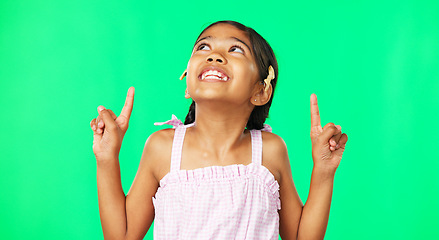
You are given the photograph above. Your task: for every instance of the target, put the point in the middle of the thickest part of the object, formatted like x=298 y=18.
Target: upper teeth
x=214 y=75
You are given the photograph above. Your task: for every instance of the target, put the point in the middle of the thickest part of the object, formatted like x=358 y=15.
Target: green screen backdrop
x=374 y=66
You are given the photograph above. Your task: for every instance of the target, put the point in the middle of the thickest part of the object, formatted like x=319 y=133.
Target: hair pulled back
x=264 y=57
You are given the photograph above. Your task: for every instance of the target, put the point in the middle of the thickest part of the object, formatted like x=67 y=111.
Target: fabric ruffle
x=175 y=122
x=219 y=173
x=267 y=128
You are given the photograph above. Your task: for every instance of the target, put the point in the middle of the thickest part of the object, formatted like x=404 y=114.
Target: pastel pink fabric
x=217 y=202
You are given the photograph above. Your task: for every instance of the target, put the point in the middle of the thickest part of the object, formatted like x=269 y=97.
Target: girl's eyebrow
x=235 y=38
x=239 y=40
x=201 y=39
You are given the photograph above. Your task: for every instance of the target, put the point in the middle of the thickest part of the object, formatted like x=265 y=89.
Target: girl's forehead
x=225 y=31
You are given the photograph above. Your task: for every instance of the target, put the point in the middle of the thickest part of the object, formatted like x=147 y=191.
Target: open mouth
x=214 y=74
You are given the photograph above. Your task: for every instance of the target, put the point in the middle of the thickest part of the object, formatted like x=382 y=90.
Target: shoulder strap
x=177 y=147
x=256 y=146
x=177 y=144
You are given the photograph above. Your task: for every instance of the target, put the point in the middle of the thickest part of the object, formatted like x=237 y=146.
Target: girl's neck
x=220 y=127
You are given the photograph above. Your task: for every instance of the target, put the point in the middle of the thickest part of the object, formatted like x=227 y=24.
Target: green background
x=373 y=65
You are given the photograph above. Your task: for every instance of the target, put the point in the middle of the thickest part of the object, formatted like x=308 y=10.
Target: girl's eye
x=237 y=49
x=203 y=47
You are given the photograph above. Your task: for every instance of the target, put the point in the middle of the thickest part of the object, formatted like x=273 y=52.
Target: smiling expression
x=222 y=66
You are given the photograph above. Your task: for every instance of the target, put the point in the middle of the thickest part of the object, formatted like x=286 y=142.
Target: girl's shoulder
x=273 y=143
x=161 y=136
x=157 y=151
x=274 y=154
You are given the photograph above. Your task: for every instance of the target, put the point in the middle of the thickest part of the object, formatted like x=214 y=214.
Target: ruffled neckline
x=219 y=173
x=175 y=122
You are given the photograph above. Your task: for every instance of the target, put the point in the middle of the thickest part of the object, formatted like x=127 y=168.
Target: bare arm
x=310 y=221
x=291 y=205
x=111 y=199
x=315 y=213
x=108 y=132
x=328 y=144
x=126 y=217
x=139 y=205
x=130 y=217
x=121 y=217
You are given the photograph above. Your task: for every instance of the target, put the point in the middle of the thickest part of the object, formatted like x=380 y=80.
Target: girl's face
x=222 y=67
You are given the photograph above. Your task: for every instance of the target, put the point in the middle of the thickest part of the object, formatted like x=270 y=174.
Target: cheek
x=192 y=65
x=254 y=73
x=189 y=69
x=191 y=77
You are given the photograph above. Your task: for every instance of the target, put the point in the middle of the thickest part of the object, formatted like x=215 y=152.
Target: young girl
x=222 y=174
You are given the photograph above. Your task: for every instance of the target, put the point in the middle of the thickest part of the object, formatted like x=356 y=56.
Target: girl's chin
x=210 y=98
x=220 y=100
x=215 y=95
x=208 y=94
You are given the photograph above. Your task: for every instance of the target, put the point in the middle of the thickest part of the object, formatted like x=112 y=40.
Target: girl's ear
x=186 y=94
x=262 y=96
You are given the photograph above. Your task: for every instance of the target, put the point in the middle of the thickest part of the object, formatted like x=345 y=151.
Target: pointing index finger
x=315 y=115
x=128 y=107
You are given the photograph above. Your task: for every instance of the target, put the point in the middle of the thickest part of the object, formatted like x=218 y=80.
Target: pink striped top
x=217 y=202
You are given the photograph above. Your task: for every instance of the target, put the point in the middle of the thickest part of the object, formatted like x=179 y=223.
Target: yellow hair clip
x=270 y=77
x=183 y=75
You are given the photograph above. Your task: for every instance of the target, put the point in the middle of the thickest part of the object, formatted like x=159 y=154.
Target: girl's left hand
x=328 y=143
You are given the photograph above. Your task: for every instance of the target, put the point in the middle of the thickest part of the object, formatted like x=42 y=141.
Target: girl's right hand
x=109 y=129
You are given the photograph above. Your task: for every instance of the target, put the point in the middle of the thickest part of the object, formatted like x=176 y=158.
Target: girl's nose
x=215 y=57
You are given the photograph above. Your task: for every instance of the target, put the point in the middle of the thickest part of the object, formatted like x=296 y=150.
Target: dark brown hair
x=264 y=57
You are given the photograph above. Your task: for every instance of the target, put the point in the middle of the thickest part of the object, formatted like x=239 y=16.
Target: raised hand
x=328 y=143
x=109 y=129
